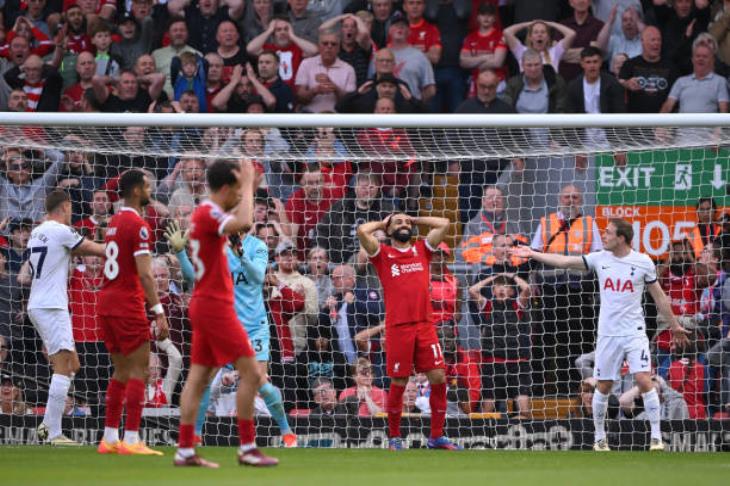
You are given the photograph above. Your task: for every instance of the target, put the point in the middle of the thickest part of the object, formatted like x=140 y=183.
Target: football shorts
x=612 y=351
x=218 y=337
x=124 y=335
x=410 y=346
x=260 y=338
x=54 y=328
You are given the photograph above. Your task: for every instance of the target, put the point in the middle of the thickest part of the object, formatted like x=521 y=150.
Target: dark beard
x=403 y=235
x=679 y=268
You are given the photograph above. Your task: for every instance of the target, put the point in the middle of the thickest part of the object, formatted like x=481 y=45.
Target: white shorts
x=612 y=351
x=54 y=327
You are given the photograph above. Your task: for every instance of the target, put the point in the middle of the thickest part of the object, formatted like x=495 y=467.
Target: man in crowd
x=411 y=65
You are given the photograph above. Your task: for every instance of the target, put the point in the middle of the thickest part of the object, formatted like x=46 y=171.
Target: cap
x=444 y=248
x=283 y=246
x=18 y=223
x=127 y=17
x=386 y=78
x=6 y=377
x=399 y=18
x=486 y=9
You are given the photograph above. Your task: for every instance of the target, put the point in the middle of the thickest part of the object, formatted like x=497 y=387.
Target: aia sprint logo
x=397 y=270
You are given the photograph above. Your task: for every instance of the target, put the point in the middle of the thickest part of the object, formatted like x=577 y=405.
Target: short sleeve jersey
x=50 y=248
x=622 y=282
x=127 y=236
x=477 y=44
x=424 y=35
x=290 y=57
x=405 y=276
x=207 y=245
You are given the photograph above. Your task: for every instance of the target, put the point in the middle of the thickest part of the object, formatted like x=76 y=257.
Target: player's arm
x=88 y=247
x=664 y=308
x=525 y=290
x=475 y=291
x=437 y=231
x=178 y=240
x=551 y=259
x=143 y=262
x=242 y=219
x=366 y=235
x=174 y=367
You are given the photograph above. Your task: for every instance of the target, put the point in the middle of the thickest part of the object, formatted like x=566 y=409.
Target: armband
x=158 y=309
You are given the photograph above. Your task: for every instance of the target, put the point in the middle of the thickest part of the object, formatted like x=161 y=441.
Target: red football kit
x=476 y=44
x=218 y=336
x=410 y=336
x=424 y=35
x=121 y=300
x=290 y=57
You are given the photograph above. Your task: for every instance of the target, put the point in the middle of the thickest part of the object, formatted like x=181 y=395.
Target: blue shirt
x=247 y=272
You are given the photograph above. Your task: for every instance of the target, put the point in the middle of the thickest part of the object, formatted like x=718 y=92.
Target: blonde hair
x=528 y=41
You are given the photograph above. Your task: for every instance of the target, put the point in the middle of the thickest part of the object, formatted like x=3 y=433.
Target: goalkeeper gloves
x=176 y=237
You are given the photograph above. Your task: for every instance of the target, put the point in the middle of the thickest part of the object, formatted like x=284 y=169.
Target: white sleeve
x=650 y=276
x=596 y=243
x=537 y=242
x=591 y=259
x=70 y=238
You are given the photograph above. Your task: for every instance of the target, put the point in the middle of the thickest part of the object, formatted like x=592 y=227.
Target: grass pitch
x=350 y=467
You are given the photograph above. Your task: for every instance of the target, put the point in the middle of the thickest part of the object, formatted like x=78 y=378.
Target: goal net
x=518 y=338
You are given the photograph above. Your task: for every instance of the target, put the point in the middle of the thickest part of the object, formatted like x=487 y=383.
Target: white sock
x=244 y=448
x=111 y=435
x=185 y=452
x=653 y=412
x=57 y=393
x=131 y=437
x=600 y=405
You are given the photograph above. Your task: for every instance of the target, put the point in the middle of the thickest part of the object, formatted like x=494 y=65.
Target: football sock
x=600 y=405
x=186 y=438
x=272 y=398
x=437 y=400
x=135 y=403
x=57 y=393
x=114 y=404
x=653 y=412
x=395 y=409
x=202 y=411
x=247 y=433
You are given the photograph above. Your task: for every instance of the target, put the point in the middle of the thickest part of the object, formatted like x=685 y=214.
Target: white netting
x=318 y=182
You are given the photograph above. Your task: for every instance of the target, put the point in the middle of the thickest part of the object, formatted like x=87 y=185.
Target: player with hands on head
x=218 y=337
x=51 y=246
x=623 y=274
x=128 y=283
x=410 y=336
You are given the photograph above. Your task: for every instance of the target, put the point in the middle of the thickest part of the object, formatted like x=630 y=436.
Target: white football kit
x=621 y=322
x=50 y=247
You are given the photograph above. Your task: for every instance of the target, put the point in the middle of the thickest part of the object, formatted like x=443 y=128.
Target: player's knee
x=436 y=377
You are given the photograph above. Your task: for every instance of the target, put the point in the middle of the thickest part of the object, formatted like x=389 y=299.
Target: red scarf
x=283 y=309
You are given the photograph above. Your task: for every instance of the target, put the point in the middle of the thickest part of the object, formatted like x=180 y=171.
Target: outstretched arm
x=552 y=259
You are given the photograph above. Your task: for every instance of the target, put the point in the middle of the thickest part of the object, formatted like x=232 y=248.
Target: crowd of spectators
x=509 y=331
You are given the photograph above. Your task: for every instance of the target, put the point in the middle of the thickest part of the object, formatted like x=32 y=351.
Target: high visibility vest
x=698 y=243
x=558 y=238
x=479 y=249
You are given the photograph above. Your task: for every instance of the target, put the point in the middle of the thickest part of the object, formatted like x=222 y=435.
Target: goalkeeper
x=247 y=262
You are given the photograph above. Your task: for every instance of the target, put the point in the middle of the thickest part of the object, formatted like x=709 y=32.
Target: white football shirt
x=49 y=249
x=622 y=282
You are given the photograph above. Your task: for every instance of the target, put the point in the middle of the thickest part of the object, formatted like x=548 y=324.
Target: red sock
x=135 y=403
x=114 y=403
x=395 y=409
x=187 y=436
x=246 y=431
x=437 y=400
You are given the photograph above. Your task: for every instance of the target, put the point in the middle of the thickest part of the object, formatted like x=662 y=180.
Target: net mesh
x=316 y=185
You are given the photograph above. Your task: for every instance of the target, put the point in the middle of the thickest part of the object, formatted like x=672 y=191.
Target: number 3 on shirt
x=195 y=257
x=111 y=266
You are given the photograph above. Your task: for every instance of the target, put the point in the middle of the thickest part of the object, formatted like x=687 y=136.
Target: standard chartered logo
x=394 y=270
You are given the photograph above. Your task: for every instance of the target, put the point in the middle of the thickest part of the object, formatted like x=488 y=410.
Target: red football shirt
x=127 y=236
x=207 y=244
x=405 y=276
x=83 y=293
x=290 y=57
x=424 y=35
x=306 y=213
x=476 y=44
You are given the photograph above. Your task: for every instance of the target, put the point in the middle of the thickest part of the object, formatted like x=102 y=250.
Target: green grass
x=350 y=467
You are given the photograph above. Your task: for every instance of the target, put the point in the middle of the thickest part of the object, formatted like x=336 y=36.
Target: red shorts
x=412 y=345
x=124 y=334
x=218 y=336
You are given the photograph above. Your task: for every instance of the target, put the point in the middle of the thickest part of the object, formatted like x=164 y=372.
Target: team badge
x=143 y=233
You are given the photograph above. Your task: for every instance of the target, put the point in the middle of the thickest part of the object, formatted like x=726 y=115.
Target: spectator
x=229 y=48
x=269 y=234
x=16 y=253
x=303 y=23
x=129 y=94
x=506 y=341
x=410 y=396
x=446 y=298
x=423 y=35
x=586 y=28
x=595 y=91
x=11 y=312
x=39 y=41
x=290 y=48
x=256 y=19
x=339 y=312
x=384 y=85
x=78 y=177
x=187 y=73
x=568 y=312
x=356 y=46
x=328 y=151
x=193 y=188
x=336 y=230
x=21 y=196
x=540 y=39
x=627 y=40
x=136 y=40
x=484 y=49
x=719 y=28
x=11 y=397
x=85 y=70
x=325 y=396
x=101 y=210
x=214 y=80
x=324 y=79
x=371 y=399
x=687 y=376
x=268 y=68
x=41 y=82
x=709 y=225
x=648 y=77
x=177 y=32
x=77 y=37
x=411 y=65
x=107 y=65
x=680 y=22
x=18 y=52
x=203 y=17
x=383 y=12
x=703 y=91
x=673 y=406
x=538 y=89
x=318 y=272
